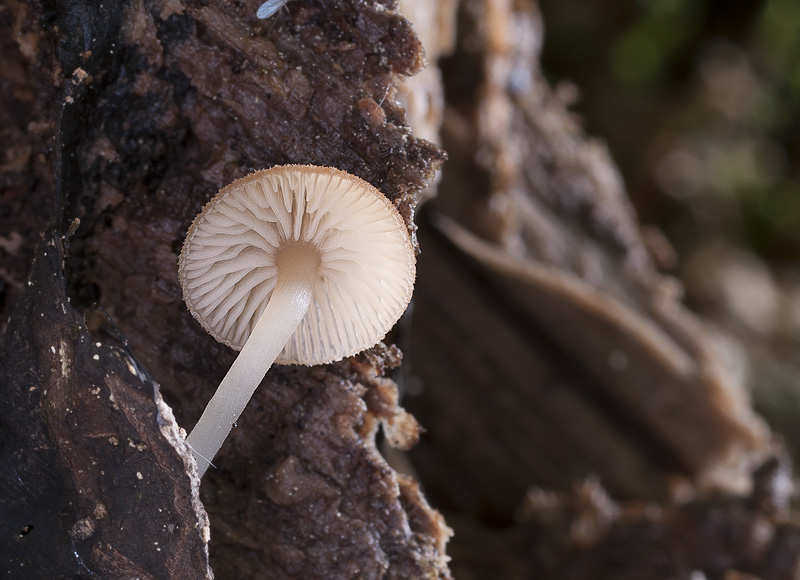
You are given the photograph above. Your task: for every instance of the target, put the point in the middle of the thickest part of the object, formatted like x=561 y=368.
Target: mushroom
x=296 y=264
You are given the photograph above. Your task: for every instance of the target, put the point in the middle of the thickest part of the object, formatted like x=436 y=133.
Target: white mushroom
x=295 y=265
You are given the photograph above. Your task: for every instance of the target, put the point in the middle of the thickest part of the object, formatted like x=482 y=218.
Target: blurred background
x=699 y=103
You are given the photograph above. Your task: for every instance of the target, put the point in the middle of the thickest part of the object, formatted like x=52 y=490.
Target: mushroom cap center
x=292 y=254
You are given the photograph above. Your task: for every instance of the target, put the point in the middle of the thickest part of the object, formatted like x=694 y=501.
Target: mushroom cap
x=366 y=265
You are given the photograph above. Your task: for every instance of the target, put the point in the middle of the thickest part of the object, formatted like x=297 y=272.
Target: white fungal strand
x=365 y=271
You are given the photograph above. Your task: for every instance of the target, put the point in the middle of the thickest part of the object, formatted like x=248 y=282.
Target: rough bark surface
x=167 y=102
x=28 y=106
x=97 y=476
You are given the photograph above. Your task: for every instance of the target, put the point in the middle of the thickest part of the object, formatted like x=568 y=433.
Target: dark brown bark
x=164 y=103
x=93 y=483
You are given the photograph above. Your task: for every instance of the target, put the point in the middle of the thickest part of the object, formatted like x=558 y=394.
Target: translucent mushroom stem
x=288 y=304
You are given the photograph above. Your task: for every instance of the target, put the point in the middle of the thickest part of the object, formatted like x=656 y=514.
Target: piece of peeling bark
x=97 y=477
x=585 y=534
x=562 y=351
x=179 y=99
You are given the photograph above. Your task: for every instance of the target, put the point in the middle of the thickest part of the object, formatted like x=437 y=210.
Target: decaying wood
x=28 y=105
x=545 y=348
x=561 y=354
x=562 y=351
x=585 y=534
x=97 y=479
x=167 y=102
